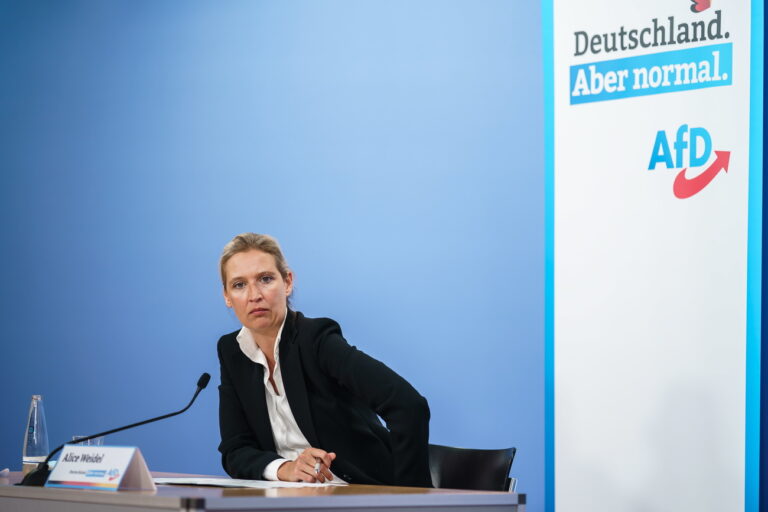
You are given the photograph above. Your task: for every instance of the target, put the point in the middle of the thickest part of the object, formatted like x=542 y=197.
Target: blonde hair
x=253 y=241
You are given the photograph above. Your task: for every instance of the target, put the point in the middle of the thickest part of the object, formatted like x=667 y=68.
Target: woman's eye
x=238 y=285
x=267 y=279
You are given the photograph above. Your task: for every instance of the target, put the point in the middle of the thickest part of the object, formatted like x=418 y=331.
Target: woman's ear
x=288 y=283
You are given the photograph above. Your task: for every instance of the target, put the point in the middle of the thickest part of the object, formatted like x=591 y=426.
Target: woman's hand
x=303 y=468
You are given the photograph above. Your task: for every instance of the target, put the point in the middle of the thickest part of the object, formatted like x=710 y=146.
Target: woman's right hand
x=303 y=468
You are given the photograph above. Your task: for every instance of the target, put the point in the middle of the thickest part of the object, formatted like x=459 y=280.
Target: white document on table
x=232 y=482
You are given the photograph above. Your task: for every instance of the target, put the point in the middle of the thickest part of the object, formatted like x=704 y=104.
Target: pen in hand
x=312 y=465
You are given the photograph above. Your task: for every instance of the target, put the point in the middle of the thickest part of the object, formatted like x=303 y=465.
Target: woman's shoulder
x=228 y=341
x=308 y=328
x=318 y=339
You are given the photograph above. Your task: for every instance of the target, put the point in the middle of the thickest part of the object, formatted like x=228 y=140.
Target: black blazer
x=335 y=392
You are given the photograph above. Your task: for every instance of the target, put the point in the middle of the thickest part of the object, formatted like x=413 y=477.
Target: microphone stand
x=38 y=476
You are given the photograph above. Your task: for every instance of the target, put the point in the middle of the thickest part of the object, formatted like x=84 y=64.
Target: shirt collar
x=251 y=349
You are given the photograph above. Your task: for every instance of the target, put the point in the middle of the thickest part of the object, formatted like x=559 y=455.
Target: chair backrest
x=463 y=468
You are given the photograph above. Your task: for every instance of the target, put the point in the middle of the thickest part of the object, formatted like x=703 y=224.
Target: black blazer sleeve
x=240 y=453
x=389 y=395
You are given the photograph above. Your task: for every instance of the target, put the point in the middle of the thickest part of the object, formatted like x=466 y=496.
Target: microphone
x=39 y=475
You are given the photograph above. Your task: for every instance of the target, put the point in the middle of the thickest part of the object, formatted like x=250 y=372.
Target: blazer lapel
x=293 y=379
x=260 y=414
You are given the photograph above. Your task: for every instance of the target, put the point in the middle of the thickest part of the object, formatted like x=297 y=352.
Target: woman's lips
x=258 y=311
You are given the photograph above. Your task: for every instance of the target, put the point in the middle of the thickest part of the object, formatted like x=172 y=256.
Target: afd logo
x=690 y=148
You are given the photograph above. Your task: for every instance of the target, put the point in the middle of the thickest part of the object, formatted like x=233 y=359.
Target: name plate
x=101 y=468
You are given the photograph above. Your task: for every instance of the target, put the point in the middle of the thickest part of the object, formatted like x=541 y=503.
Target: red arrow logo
x=685 y=188
x=700 y=5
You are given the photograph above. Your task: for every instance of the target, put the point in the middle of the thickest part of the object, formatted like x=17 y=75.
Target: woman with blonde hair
x=297 y=402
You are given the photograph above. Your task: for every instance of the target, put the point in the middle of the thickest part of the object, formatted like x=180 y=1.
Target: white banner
x=650 y=198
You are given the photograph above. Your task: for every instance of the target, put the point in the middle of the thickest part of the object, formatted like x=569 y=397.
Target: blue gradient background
x=394 y=148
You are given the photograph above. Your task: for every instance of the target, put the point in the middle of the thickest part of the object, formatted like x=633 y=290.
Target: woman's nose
x=254 y=293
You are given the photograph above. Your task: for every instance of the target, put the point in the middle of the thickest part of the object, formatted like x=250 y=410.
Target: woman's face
x=256 y=291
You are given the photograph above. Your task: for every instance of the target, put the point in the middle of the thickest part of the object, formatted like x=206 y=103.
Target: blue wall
x=394 y=148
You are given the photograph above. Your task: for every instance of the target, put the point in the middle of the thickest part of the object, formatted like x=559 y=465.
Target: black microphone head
x=203 y=380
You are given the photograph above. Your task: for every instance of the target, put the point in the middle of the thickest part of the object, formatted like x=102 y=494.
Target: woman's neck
x=266 y=339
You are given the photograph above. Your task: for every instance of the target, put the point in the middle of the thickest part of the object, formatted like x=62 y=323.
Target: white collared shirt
x=289 y=440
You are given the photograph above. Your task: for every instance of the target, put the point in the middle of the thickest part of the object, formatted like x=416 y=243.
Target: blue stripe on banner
x=549 y=253
x=87 y=488
x=657 y=73
x=754 y=265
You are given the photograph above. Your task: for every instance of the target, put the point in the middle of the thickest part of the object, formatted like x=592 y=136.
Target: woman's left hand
x=312 y=465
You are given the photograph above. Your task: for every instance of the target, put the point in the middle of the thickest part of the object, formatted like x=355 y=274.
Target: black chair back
x=463 y=468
